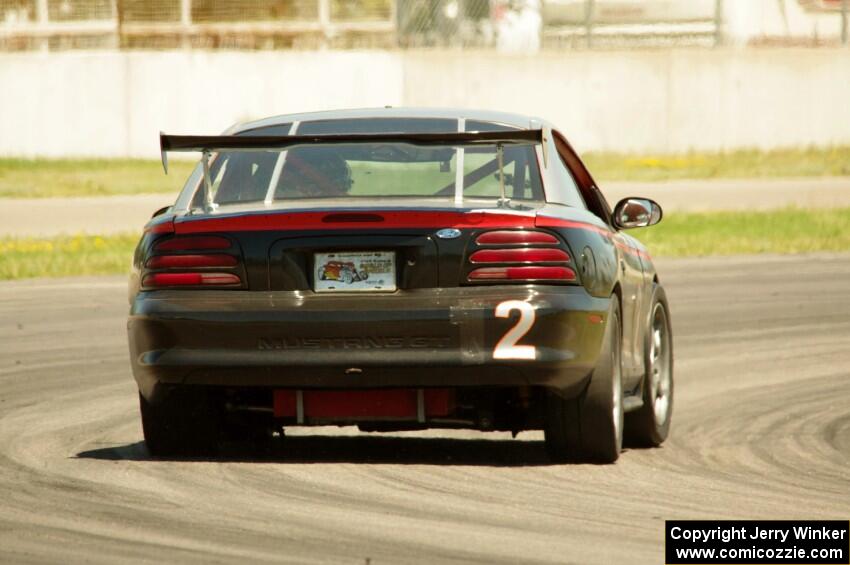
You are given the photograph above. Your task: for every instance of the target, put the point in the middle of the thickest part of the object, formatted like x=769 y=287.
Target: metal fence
x=597 y=23
x=517 y=25
x=246 y=24
x=446 y=23
x=556 y=23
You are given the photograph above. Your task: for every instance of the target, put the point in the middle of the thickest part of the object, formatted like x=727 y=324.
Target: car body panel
x=414 y=338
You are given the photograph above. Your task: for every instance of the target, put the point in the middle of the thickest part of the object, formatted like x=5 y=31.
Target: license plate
x=355 y=271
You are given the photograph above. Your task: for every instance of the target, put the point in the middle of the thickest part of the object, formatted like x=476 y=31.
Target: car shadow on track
x=358 y=449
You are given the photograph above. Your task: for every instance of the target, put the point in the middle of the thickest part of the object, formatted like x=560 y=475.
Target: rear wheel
x=184 y=423
x=590 y=427
x=650 y=425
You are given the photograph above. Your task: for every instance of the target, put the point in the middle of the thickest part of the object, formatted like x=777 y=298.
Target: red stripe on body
x=316 y=221
x=398 y=219
x=160 y=227
x=547 y=222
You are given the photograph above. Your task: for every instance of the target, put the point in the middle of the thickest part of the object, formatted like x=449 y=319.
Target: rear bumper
x=418 y=338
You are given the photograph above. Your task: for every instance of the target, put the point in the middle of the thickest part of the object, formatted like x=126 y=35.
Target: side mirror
x=636 y=212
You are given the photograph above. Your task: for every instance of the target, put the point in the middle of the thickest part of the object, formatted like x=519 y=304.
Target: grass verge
x=743 y=233
x=38 y=178
x=809 y=162
x=22 y=258
x=679 y=235
x=41 y=178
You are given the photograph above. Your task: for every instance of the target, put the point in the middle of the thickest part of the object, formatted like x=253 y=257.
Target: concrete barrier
x=112 y=104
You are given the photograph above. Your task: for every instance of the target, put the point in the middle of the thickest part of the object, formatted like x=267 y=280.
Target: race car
x=502 y=292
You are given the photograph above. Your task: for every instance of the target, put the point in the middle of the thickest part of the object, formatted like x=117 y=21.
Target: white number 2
x=507 y=347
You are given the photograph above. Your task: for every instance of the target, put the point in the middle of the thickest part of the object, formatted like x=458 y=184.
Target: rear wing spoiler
x=212 y=143
x=208 y=144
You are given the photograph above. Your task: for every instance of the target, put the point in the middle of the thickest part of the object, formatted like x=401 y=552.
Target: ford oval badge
x=448 y=233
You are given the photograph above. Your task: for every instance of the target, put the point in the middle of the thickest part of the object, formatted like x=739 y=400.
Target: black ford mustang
x=398 y=269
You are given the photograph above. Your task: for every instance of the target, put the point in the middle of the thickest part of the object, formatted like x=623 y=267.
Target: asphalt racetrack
x=761 y=430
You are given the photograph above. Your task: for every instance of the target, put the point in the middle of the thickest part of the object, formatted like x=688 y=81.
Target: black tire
x=650 y=424
x=184 y=423
x=590 y=427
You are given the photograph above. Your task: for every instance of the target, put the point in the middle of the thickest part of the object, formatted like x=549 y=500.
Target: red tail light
x=191 y=279
x=193 y=243
x=516 y=237
x=185 y=262
x=523 y=273
x=522 y=256
x=190 y=261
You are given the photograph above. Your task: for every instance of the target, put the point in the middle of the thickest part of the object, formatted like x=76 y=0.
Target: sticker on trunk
x=355 y=271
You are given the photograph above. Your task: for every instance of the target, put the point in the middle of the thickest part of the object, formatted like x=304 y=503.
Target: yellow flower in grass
x=71 y=245
x=650 y=162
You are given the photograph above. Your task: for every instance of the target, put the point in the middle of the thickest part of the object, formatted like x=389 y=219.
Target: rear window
x=373 y=170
